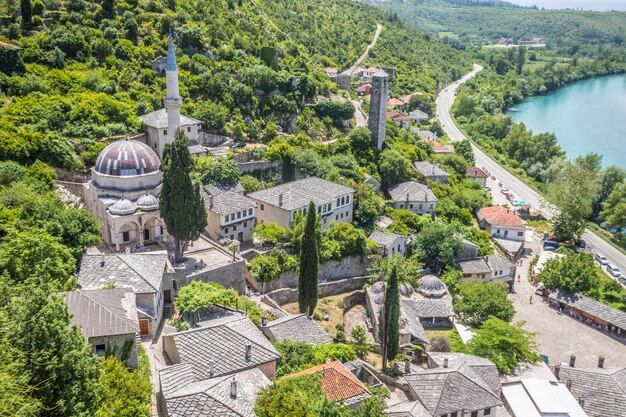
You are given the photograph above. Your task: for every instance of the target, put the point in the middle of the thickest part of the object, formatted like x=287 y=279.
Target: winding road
x=354 y=66
x=445 y=100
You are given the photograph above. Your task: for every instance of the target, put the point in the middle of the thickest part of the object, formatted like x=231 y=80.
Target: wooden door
x=143 y=326
x=240 y=237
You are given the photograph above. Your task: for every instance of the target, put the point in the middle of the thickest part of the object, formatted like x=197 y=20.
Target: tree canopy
x=477 y=301
x=574 y=272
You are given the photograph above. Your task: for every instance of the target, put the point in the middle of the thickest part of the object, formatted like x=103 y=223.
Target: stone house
x=478 y=175
x=415 y=197
x=148 y=275
x=229 y=216
x=418 y=116
x=108 y=320
x=501 y=222
x=389 y=244
x=364 y=90
x=298 y=327
x=488 y=268
x=279 y=204
x=431 y=172
x=468 y=252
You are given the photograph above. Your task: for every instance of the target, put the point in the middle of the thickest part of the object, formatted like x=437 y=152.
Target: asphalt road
x=517 y=187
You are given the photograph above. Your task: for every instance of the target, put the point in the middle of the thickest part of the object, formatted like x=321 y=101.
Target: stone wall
x=264 y=170
x=117 y=342
x=229 y=275
x=350 y=267
x=76 y=188
x=289 y=295
x=354 y=299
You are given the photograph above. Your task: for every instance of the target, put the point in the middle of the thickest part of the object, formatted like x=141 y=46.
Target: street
x=445 y=100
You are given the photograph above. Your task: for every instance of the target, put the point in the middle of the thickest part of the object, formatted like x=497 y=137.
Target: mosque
x=125 y=183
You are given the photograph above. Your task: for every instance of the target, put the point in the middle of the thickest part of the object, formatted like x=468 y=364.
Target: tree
x=27 y=14
x=180 y=202
x=407 y=269
x=574 y=272
x=269 y=233
x=343 y=239
x=219 y=170
x=264 y=268
x=390 y=321
x=367 y=207
x=437 y=245
x=394 y=168
x=123 y=392
x=309 y=262
x=504 y=344
x=477 y=301
x=359 y=342
x=614 y=213
x=611 y=177
x=464 y=149
x=199 y=295
x=573 y=193
x=250 y=184
x=451 y=277
x=454 y=163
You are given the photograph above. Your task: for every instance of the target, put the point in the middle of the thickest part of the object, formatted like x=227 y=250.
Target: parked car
x=613 y=270
x=581 y=244
x=238 y=145
x=488 y=189
x=601 y=259
x=622 y=279
x=505 y=190
x=541 y=290
x=550 y=243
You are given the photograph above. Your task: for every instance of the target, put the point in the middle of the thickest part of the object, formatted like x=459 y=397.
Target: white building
x=501 y=222
x=389 y=244
x=279 y=204
x=229 y=215
x=535 y=397
x=415 y=197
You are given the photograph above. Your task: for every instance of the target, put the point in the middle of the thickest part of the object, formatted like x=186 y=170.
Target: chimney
x=342 y=180
x=210 y=202
x=264 y=321
x=102 y=262
x=211 y=367
x=572 y=360
x=407 y=197
x=248 y=352
x=557 y=371
x=407 y=365
x=233 y=388
x=445 y=362
x=601 y=362
x=280 y=199
x=568 y=384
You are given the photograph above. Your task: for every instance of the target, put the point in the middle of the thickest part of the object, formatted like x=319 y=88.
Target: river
x=597 y=5
x=586 y=116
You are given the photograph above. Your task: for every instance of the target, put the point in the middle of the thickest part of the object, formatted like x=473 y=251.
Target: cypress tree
x=180 y=203
x=309 y=262
x=27 y=14
x=391 y=317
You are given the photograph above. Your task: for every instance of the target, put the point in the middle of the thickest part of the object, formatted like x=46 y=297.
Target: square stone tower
x=378 y=107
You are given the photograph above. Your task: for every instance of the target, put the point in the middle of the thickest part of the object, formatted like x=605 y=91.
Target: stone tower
x=378 y=107
x=173 y=101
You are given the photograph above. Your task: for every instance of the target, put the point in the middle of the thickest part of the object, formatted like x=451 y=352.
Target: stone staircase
x=167 y=311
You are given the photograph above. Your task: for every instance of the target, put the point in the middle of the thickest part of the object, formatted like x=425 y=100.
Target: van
x=541 y=290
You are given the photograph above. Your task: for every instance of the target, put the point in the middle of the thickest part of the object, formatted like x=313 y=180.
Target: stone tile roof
x=188 y=397
x=338 y=383
x=590 y=306
x=415 y=192
x=485 y=264
x=297 y=194
x=227 y=202
x=500 y=216
x=447 y=390
x=476 y=172
x=103 y=312
x=408 y=409
x=223 y=342
x=383 y=238
x=427 y=307
x=484 y=368
x=215 y=189
x=606 y=385
x=142 y=272
x=299 y=328
x=158 y=119
x=417 y=114
x=428 y=169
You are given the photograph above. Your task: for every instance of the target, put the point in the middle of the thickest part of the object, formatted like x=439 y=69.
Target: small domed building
x=432 y=286
x=124 y=194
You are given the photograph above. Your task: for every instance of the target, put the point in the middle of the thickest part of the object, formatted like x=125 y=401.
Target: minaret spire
x=173 y=100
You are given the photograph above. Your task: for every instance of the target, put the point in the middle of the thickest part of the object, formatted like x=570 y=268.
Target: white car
x=601 y=259
x=613 y=270
x=504 y=190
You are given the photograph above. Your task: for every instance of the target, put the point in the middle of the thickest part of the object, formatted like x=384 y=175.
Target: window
x=520 y=233
x=100 y=349
x=165 y=132
x=347 y=199
x=126 y=236
x=454 y=414
x=239 y=215
x=420 y=206
x=262 y=207
x=338 y=202
x=319 y=210
x=398 y=247
x=342 y=215
x=232 y=237
x=412 y=206
x=401 y=205
x=498 y=231
x=474 y=413
x=245 y=224
x=189 y=129
x=487 y=412
x=336 y=217
x=226 y=230
x=226 y=217
x=343 y=201
x=431 y=206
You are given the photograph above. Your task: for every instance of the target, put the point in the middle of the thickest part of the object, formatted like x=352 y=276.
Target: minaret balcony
x=173 y=101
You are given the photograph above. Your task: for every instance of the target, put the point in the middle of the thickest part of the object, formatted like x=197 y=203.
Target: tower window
x=165 y=132
x=189 y=129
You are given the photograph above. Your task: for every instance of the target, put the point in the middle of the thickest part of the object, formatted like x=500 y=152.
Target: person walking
x=531 y=299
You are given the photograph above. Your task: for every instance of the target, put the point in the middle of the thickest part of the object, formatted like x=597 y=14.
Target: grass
x=452 y=336
x=540 y=227
x=328 y=306
x=614 y=299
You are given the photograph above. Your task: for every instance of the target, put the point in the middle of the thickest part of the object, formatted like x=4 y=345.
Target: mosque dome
x=431 y=285
x=405 y=289
x=148 y=202
x=125 y=158
x=378 y=287
x=123 y=206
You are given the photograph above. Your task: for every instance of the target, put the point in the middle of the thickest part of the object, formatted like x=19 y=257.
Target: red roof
x=500 y=216
x=330 y=69
x=393 y=102
x=440 y=147
x=9 y=45
x=476 y=172
x=394 y=114
x=338 y=383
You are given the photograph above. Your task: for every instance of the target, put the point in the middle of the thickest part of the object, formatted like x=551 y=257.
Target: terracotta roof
x=393 y=114
x=330 y=69
x=476 y=172
x=9 y=45
x=440 y=147
x=406 y=99
x=392 y=102
x=499 y=216
x=338 y=383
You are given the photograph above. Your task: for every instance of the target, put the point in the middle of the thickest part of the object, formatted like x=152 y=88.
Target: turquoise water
x=586 y=116
x=598 y=5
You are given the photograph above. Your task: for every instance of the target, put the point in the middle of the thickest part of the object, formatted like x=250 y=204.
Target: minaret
x=377 y=122
x=173 y=101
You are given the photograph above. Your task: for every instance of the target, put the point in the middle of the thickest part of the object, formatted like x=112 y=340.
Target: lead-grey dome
x=123 y=206
x=125 y=158
x=378 y=287
x=431 y=285
x=148 y=202
x=405 y=289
